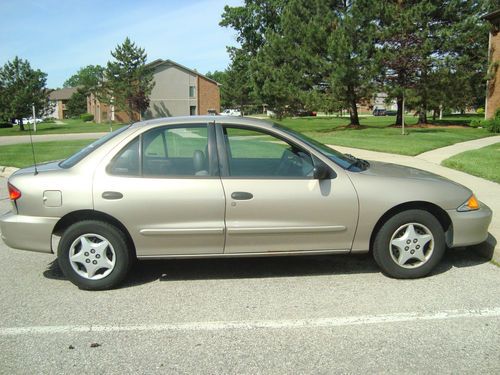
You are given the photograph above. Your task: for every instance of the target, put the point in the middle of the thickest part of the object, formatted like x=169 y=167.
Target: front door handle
x=241 y=195
x=112 y=195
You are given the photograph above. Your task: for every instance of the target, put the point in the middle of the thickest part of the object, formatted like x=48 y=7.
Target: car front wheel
x=94 y=255
x=409 y=245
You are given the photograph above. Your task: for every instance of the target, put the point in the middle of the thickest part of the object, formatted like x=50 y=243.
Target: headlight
x=471 y=204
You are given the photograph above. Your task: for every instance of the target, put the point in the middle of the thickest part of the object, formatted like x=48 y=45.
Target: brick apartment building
x=178 y=91
x=493 y=85
x=59 y=98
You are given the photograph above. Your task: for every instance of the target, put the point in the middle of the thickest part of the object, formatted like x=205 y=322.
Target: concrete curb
x=489 y=250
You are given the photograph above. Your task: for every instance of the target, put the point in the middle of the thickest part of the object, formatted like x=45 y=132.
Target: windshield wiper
x=356 y=162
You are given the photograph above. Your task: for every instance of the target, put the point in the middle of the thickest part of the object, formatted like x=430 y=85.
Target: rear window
x=80 y=155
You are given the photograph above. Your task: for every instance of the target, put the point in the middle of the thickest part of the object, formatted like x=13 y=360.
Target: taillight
x=14 y=193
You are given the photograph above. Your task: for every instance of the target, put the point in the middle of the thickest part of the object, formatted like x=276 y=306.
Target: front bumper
x=471 y=227
x=27 y=232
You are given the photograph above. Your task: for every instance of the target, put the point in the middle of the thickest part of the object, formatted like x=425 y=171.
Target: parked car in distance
x=379 y=112
x=231 y=112
x=32 y=120
x=29 y=120
x=391 y=113
x=304 y=113
x=205 y=186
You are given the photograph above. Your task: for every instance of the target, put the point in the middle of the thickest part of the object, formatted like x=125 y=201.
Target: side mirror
x=321 y=172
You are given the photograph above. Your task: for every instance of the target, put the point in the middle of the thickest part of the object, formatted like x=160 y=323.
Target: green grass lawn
x=483 y=162
x=68 y=126
x=21 y=155
x=377 y=135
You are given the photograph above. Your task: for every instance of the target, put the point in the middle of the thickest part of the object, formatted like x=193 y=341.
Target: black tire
x=122 y=255
x=414 y=268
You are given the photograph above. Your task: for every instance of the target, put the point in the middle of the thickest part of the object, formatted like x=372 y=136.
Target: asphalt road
x=319 y=314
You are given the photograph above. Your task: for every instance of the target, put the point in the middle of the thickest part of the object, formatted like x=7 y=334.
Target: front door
x=165 y=188
x=273 y=203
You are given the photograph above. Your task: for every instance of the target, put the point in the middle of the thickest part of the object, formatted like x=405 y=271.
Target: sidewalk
x=438 y=155
x=15 y=139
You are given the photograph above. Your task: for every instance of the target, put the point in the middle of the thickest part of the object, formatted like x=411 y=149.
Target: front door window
x=253 y=154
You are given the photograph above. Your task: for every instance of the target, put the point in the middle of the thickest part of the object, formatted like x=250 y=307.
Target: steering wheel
x=290 y=164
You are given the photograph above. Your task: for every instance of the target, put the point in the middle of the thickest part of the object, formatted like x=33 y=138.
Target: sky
x=61 y=36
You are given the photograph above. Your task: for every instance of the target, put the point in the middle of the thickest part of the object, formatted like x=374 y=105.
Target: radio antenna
x=32 y=147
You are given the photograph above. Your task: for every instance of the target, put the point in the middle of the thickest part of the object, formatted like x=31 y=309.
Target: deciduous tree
x=21 y=87
x=88 y=79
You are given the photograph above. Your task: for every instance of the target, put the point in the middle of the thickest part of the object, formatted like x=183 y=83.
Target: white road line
x=258 y=324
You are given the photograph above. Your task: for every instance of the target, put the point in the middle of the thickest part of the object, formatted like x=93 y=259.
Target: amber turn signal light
x=471 y=204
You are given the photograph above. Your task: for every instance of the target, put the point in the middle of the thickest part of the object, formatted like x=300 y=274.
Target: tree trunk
x=434 y=115
x=353 y=110
x=422 y=115
x=399 y=115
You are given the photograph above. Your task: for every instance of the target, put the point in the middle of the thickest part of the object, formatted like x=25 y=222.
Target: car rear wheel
x=94 y=255
x=409 y=245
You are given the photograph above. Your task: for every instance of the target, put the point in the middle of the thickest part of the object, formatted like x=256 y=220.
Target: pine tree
x=434 y=52
x=402 y=44
x=351 y=65
x=128 y=81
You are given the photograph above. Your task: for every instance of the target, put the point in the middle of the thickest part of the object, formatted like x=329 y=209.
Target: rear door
x=164 y=186
x=274 y=204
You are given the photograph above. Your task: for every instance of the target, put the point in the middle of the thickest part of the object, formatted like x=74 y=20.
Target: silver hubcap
x=92 y=256
x=411 y=245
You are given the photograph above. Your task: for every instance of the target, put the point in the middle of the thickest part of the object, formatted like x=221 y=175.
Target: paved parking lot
x=319 y=314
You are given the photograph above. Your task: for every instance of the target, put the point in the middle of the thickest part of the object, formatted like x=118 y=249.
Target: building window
x=192 y=110
x=192 y=91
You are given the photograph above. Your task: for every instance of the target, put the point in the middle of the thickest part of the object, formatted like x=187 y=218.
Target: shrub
x=49 y=120
x=493 y=125
x=475 y=123
x=87 y=117
x=497 y=113
x=480 y=111
x=6 y=125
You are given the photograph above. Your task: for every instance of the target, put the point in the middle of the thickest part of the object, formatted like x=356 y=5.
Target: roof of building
x=62 y=94
x=492 y=16
x=159 y=62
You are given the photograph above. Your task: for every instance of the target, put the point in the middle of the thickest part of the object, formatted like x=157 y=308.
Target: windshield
x=339 y=158
x=77 y=157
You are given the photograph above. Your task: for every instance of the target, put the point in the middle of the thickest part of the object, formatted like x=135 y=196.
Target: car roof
x=238 y=120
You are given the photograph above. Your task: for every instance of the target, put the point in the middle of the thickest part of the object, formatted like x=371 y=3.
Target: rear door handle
x=241 y=195
x=112 y=195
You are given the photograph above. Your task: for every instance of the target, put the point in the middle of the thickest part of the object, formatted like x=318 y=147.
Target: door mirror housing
x=321 y=172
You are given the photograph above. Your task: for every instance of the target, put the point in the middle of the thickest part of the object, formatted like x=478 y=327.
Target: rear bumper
x=470 y=228
x=27 y=232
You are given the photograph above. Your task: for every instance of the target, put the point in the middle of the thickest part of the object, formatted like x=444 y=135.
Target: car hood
x=395 y=184
x=381 y=169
